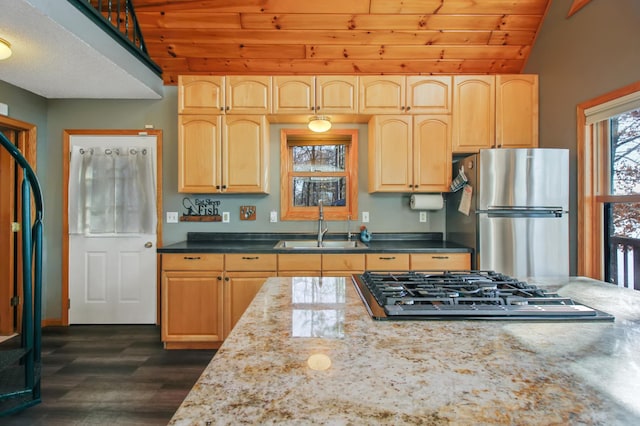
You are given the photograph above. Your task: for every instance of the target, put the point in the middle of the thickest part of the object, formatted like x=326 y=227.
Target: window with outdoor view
x=318 y=168
x=608 y=237
x=621 y=214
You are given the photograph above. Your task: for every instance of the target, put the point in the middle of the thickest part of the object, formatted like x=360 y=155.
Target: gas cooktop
x=486 y=295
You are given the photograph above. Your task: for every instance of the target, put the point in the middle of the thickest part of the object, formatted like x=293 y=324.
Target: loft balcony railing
x=118 y=19
x=624 y=262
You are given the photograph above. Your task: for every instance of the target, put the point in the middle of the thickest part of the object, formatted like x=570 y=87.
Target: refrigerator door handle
x=502 y=211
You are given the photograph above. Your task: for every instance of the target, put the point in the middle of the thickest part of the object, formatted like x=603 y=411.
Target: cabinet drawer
x=299 y=262
x=250 y=262
x=343 y=262
x=388 y=262
x=440 y=261
x=193 y=262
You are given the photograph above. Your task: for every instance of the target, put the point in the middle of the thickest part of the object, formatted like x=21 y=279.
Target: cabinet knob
x=226 y=278
x=408 y=108
x=219 y=278
x=148 y=244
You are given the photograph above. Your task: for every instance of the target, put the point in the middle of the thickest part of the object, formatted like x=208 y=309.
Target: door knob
x=148 y=244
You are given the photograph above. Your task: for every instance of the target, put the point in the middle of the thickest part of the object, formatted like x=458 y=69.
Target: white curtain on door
x=112 y=191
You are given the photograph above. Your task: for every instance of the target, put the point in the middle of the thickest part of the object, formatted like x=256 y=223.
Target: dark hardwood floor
x=110 y=375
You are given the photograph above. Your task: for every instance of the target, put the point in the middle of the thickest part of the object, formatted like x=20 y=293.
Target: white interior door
x=112 y=275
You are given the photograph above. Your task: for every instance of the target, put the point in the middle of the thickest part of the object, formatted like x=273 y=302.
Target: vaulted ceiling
x=339 y=36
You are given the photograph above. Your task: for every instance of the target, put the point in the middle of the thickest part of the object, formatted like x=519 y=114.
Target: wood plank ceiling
x=275 y=37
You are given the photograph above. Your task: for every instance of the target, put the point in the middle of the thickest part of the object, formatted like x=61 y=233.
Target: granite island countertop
x=271 y=368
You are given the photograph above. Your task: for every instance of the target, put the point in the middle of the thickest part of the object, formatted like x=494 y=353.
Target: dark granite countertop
x=238 y=242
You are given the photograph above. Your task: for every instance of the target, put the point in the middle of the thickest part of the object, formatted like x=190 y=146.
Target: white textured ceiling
x=59 y=53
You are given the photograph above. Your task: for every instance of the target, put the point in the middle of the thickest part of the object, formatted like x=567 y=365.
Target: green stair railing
x=20 y=362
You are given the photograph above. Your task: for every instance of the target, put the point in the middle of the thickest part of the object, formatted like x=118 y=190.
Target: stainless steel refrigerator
x=515 y=211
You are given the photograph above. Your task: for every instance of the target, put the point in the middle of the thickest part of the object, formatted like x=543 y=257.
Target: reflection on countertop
x=333 y=364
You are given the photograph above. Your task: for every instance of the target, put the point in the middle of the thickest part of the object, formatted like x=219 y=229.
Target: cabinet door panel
x=473 y=113
x=245 y=156
x=299 y=262
x=342 y=262
x=293 y=95
x=429 y=95
x=390 y=153
x=337 y=94
x=248 y=95
x=240 y=289
x=382 y=94
x=432 y=153
x=517 y=111
x=200 y=94
x=192 y=307
x=199 y=153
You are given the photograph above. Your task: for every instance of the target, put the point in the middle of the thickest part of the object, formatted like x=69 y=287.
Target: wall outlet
x=365 y=217
x=172 y=217
x=225 y=217
x=273 y=217
x=423 y=217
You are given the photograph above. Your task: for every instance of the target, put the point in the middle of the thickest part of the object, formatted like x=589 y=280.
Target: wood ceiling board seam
x=253 y=6
x=415 y=52
x=522 y=7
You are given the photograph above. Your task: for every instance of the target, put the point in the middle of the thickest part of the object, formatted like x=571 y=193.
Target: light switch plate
x=273 y=217
x=423 y=217
x=172 y=217
x=225 y=217
x=365 y=217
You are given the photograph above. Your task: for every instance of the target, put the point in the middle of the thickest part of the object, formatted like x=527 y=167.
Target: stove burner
x=463 y=294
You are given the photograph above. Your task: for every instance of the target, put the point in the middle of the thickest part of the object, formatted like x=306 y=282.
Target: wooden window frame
x=593 y=185
x=287 y=139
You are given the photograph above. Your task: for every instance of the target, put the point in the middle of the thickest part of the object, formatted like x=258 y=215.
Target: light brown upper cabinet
x=315 y=95
x=248 y=95
x=409 y=153
x=400 y=94
x=200 y=94
x=223 y=154
x=474 y=101
x=517 y=111
x=224 y=95
x=495 y=112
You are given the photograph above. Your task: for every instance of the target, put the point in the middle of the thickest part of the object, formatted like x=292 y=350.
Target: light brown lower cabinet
x=340 y=265
x=440 y=261
x=300 y=265
x=201 y=301
x=192 y=301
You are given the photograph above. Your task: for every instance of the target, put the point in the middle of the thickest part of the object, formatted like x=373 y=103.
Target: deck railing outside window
x=624 y=262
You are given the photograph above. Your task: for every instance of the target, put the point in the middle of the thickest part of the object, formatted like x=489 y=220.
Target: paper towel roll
x=426 y=202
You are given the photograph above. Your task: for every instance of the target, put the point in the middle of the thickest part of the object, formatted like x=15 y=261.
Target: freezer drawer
x=524 y=246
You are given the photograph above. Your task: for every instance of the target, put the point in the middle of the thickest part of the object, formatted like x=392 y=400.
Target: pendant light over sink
x=319 y=123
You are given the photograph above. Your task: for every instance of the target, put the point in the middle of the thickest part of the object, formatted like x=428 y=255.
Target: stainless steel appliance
x=516 y=218
x=485 y=295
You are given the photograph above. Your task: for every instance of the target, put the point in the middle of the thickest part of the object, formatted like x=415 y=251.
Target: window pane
x=625 y=153
x=626 y=219
x=308 y=190
x=319 y=158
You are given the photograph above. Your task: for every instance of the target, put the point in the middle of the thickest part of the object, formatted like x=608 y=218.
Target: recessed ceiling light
x=5 y=49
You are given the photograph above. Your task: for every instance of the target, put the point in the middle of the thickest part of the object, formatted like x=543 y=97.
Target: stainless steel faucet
x=322 y=227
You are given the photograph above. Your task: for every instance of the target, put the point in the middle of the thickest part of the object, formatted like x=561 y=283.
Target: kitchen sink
x=325 y=245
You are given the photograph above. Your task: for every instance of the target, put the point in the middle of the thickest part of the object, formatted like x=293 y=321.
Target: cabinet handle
x=250 y=258
x=439 y=257
x=387 y=258
x=192 y=258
